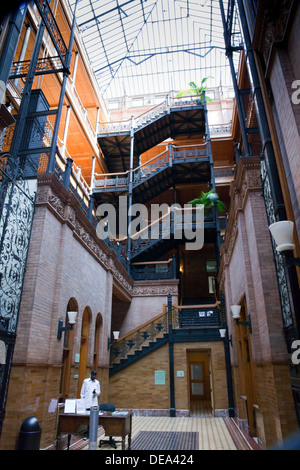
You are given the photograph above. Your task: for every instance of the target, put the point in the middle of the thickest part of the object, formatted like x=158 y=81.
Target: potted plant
x=208 y=200
x=196 y=90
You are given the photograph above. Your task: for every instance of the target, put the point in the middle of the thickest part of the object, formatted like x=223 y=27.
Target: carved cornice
x=155 y=288
x=272 y=22
x=66 y=208
x=247 y=180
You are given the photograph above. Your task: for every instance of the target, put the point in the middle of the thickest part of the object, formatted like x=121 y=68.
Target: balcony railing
x=170 y=103
x=154 y=270
x=172 y=155
x=197 y=316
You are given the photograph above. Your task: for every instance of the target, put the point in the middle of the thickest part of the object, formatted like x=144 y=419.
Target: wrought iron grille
x=17 y=197
x=285 y=299
x=182 y=317
x=139 y=338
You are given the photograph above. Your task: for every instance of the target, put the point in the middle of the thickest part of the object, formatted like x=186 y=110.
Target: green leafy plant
x=208 y=199
x=196 y=90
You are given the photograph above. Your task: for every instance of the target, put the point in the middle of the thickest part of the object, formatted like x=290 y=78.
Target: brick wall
x=285 y=70
x=134 y=387
x=248 y=272
x=65 y=261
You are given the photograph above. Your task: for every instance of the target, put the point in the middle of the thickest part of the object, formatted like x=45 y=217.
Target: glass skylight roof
x=140 y=47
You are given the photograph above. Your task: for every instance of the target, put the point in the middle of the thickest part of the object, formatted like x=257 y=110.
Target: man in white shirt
x=90 y=392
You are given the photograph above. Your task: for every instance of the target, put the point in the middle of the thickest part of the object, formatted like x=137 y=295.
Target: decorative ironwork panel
x=17 y=198
x=139 y=338
x=285 y=299
x=53 y=29
x=44 y=65
x=15 y=228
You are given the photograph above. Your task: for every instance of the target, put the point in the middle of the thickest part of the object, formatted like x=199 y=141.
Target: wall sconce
x=224 y=335
x=71 y=321
x=116 y=337
x=236 y=313
x=282 y=232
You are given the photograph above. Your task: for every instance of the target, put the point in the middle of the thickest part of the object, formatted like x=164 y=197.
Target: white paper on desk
x=70 y=405
x=80 y=406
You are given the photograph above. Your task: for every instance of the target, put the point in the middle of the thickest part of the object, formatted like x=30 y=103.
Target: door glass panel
x=197 y=389
x=196 y=372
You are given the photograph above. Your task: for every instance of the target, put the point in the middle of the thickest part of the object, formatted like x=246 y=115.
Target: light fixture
x=224 y=335
x=236 y=311
x=116 y=337
x=222 y=332
x=71 y=321
x=282 y=232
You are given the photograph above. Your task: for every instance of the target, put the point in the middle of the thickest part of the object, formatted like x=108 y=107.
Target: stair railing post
x=170 y=154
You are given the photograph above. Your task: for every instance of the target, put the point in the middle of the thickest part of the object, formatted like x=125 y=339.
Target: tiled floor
x=213 y=433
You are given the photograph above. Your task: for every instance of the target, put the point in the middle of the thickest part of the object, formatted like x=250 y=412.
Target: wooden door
x=198 y=381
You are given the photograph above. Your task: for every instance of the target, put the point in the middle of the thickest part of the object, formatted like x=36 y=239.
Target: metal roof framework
x=141 y=47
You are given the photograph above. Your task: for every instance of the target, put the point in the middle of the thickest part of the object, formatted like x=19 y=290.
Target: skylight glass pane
x=153 y=46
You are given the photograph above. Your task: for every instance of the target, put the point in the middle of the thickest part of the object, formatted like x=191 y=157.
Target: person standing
x=90 y=392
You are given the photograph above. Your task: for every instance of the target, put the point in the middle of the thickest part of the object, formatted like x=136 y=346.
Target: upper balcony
x=172 y=118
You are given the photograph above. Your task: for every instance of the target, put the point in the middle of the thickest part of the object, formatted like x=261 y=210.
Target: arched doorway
x=97 y=340
x=64 y=388
x=84 y=342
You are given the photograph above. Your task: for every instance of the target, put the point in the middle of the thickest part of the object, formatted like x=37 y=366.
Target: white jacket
x=88 y=386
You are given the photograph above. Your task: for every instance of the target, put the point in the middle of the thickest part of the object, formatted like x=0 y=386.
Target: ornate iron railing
x=153 y=270
x=182 y=318
x=196 y=316
x=136 y=339
x=172 y=155
x=151 y=115
x=17 y=198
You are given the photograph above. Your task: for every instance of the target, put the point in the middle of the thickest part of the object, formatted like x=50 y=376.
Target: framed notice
x=160 y=377
x=70 y=405
x=80 y=406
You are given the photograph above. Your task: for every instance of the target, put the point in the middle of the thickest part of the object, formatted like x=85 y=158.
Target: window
x=113 y=104
x=137 y=102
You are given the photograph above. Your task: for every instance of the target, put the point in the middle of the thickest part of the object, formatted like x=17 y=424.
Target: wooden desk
x=114 y=425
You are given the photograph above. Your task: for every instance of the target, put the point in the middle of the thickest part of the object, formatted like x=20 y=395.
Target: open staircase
x=175 y=165
x=188 y=323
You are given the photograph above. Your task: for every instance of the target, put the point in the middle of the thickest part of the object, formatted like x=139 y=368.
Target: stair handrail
x=151 y=330
x=138 y=235
x=135 y=339
x=141 y=171
x=164 y=106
